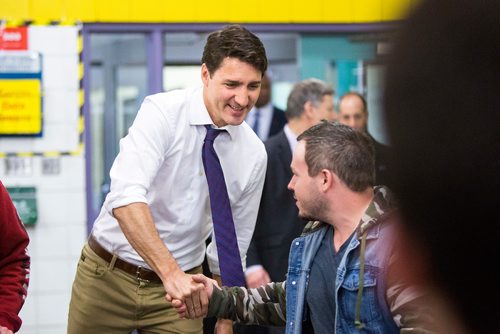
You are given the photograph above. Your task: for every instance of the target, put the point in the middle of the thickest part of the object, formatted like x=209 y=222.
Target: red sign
x=14 y=38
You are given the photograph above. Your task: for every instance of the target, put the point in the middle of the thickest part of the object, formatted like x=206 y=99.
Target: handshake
x=195 y=305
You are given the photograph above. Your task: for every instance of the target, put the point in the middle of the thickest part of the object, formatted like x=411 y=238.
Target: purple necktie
x=225 y=235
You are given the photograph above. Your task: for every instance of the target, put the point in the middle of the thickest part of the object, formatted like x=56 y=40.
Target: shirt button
x=293 y=282
x=297 y=243
x=291 y=323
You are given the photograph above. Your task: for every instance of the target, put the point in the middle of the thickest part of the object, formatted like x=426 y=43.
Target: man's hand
x=223 y=326
x=5 y=330
x=183 y=308
x=257 y=277
x=188 y=294
x=136 y=222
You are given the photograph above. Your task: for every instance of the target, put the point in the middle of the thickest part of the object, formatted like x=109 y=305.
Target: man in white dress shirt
x=150 y=234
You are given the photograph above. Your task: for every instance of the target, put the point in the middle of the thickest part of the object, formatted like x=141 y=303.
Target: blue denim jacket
x=365 y=260
x=374 y=313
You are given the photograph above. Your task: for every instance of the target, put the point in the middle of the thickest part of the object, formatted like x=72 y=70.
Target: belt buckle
x=138 y=275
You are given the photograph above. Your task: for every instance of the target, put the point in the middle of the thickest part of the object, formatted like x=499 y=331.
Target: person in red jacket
x=14 y=264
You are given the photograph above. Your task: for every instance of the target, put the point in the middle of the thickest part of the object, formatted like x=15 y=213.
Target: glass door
x=118 y=84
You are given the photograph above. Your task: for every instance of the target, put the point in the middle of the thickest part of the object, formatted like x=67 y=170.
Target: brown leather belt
x=136 y=271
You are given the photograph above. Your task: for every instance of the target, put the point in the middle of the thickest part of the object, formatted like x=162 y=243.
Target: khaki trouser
x=107 y=300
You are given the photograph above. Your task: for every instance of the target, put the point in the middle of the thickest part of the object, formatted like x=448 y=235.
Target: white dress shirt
x=160 y=164
x=291 y=137
x=265 y=119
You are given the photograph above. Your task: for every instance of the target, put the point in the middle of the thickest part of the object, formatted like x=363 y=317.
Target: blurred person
x=265 y=119
x=150 y=235
x=348 y=272
x=442 y=98
x=14 y=264
x=353 y=111
x=278 y=222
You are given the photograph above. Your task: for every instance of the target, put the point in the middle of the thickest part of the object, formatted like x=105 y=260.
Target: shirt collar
x=198 y=113
x=291 y=137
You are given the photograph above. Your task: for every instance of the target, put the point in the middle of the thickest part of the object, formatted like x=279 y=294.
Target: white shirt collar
x=291 y=137
x=198 y=113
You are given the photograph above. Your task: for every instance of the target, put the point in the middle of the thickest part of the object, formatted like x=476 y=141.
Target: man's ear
x=327 y=179
x=308 y=109
x=205 y=74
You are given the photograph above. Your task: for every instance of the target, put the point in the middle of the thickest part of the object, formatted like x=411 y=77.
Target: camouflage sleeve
x=408 y=294
x=409 y=310
x=417 y=308
x=265 y=305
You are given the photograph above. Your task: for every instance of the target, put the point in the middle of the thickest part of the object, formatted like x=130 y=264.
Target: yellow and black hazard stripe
x=81 y=121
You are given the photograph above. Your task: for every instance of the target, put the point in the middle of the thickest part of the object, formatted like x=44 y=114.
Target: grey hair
x=309 y=90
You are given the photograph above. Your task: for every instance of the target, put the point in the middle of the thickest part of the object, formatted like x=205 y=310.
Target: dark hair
x=312 y=90
x=339 y=148
x=358 y=95
x=441 y=98
x=236 y=42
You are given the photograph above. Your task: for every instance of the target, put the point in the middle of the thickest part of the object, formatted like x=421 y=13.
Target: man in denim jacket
x=345 y=271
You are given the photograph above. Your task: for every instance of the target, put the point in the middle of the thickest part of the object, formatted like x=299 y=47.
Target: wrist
x=225 y=322
x=169 y=270
x=253 y=268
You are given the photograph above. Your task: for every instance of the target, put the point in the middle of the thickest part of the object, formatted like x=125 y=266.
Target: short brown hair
x=339 y=148
x=234 y=41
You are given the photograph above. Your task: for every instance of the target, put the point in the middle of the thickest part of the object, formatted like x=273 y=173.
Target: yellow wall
x=193 y=11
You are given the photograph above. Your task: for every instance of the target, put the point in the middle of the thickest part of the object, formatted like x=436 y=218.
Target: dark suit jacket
x=278 y=121
x=277 y=222
x=382 y=156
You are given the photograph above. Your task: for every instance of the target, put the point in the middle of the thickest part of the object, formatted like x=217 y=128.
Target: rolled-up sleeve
x=141 y=154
